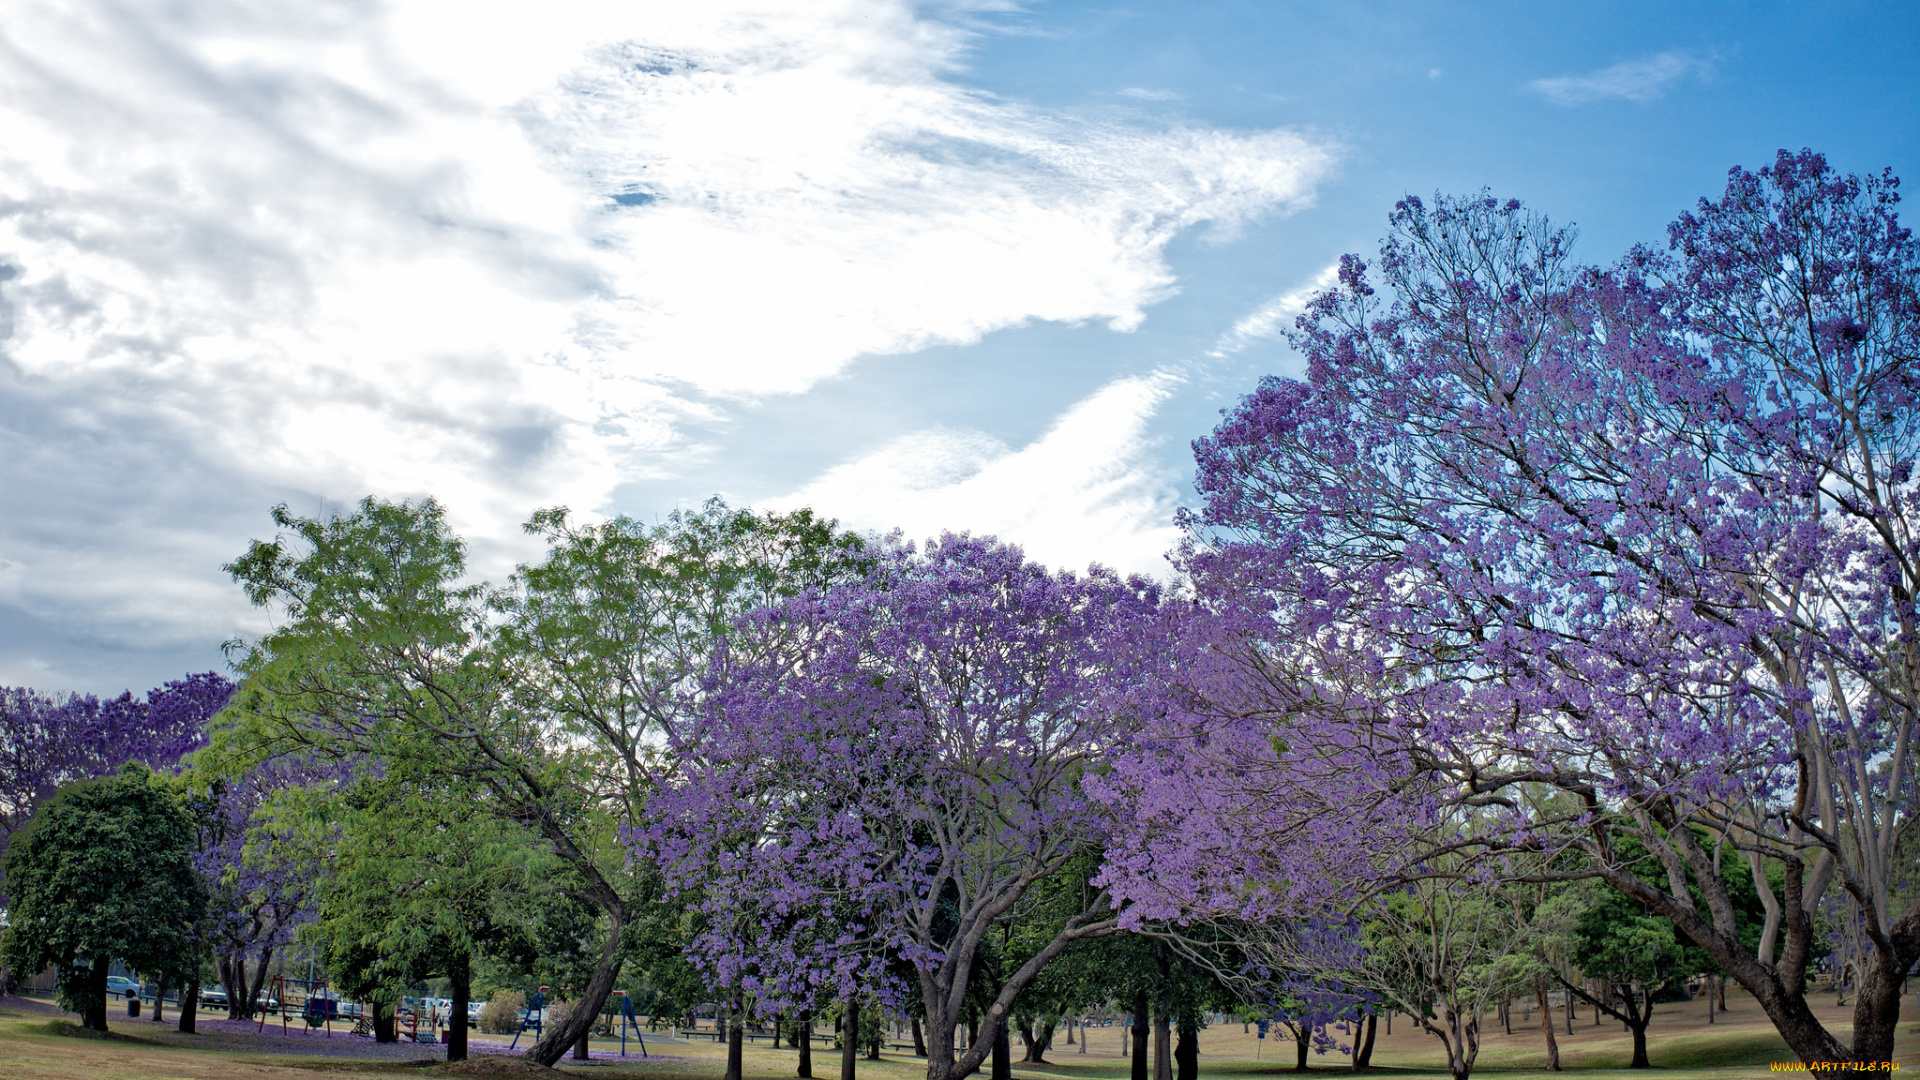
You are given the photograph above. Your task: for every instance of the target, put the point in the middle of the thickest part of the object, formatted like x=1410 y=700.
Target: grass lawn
x=36 y=1043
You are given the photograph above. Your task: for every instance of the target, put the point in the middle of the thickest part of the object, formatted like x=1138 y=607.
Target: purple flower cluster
x=48 y=741
x=1578 y=552
x=887 y=768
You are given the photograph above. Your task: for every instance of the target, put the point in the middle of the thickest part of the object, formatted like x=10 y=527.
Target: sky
x=983 y=267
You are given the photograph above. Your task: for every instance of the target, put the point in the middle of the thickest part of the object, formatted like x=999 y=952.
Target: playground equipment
x=627 y=1018
x=318 y=1008
x=536 y=1012
x=412 y=1012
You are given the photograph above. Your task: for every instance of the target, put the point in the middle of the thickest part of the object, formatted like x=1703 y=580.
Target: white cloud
x=1141 y=93
x=1273 y=317
x=500 y=253
x=1085 y=491
x=1630 y=80
x=1088 y=490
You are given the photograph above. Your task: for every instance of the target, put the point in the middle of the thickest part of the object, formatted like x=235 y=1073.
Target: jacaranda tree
x=901 y=765
x=1641 y=536
x=48 y=741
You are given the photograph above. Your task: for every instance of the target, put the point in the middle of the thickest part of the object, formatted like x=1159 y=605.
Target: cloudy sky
x=982 y=266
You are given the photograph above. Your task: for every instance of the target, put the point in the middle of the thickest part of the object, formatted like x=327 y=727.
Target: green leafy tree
x=104 y=871
x=1634 y=956
x=414 y=887
x=547 y=695
x=1551 y=913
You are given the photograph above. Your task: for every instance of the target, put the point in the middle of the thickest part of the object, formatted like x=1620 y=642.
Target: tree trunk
x=1876 y=1003
x=1301 y=1036
x=1162 y=1045
x=805 y=1068
x=190 y=1005
x=1364 y=1058
x=1186 y=1048
x=1002 y=1053
x=460 y=974
x=159 y=1001
x=385 y=1026
x=1569 y=1012
x=237 y=988
x=1142 y=1023
x=1069 y=1031
x=850 y=1039
x=1546 y=1025
x=223 y=967
x=555 y=1041
x=95 y=1018
x=1637 y=1021
x=253 y=1005
x=583 y=1047
x=919 y=1038
x=736 y=1035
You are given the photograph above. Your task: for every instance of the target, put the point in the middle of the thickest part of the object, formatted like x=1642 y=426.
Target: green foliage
x=612 y=636
x=537 y=705
x=1619 y=940
x=104 y=871
x=415 y=885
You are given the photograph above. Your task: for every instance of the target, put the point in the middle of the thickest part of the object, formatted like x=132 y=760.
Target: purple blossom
x=1586 y=551
x=47 y=741
x=896 y=766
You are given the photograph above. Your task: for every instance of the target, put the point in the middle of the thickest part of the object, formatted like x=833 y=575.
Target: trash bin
x=133 y=1006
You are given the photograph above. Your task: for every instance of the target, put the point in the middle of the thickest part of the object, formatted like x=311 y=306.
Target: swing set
x=535 y=1017
x=318 y=1009
x=532 y=1018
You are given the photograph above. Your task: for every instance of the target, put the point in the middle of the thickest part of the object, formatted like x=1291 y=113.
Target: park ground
x=37 y=1042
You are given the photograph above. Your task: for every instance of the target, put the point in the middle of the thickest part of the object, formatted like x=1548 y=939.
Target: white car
x=122 y=987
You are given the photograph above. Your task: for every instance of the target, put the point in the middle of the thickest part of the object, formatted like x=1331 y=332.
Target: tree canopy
x=103 y=872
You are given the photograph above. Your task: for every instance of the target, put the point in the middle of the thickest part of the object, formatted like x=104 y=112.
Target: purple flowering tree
x=260 y=889
x=47 y=741
x=1639 y=537
x=900 y=773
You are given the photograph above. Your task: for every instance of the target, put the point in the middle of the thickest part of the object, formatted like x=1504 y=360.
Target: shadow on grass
x=71 y=1030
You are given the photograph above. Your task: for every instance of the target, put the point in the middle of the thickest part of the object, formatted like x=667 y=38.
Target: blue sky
x=970 y=266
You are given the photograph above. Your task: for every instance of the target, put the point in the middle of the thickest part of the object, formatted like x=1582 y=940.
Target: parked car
x=211 y=996
x=122 y=987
